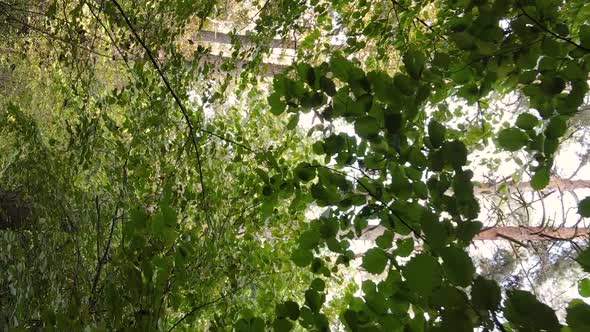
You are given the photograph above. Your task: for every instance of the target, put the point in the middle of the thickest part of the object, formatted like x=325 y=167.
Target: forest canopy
x=386 y=165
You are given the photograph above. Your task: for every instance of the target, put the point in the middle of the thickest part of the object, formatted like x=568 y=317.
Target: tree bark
x=225 y=38
x=518 y=234
x=523 y=234
x=554 y=183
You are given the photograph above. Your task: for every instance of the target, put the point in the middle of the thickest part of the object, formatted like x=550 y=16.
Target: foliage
x=472 y=50
x=158 y=210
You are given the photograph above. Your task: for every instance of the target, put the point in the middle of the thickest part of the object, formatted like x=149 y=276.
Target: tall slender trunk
x=523 y=234
x=555 y=182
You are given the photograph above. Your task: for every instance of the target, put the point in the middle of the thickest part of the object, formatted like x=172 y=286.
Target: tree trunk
x=225 y=38
x=518 y=234
x=554 y=183
x=523 y=234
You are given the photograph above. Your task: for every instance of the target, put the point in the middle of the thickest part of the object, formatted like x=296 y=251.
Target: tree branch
x=103 y=259
x=178 y=102
x=544 y=28
x=196 y=309
x=417 y=18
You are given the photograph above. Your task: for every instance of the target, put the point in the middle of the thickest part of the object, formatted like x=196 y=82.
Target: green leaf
x=405 y=84
x=367 y=127
x=309 y=239
x=466 y=230
x=585 y=35
x=306 y=318
x=288 y=309
x=305 y=172
x=276 y=105
x=470 y=92
x=382 y=85
x=342 y=68
x=334 y=144
x=584 y=259
x=404 y=247
x=512 y=139
x=552 y=84
x=318 y=285
x=418 y=160
x=310 y=76
x=456 y=320
x=423 y=274
x=328 y=228
x=556 y=128
x=255 y=324
x=385 y=240
x=573 y=72
x=138 y=221
x=362 y=105
x=541 y=178
x=455 y=153
x=527 y=77
x=463 y=40
x=318 y=148
x=302 y=257
x=436 y=133
x=414 y=62
x=458 y=266
x=584 y=287
x=584 y=207
x=324 y=195
x=550 y=145
x=526 y=121
x=282 y=324
x=375 y=260
x=314 y=300
x=328 y=86
x=485 y=294
x=526 y=313
x=164 y=224
x=578 y=316
x=393 y=122
x=293 y=121
x=550 y=47
x=435 y=231
x=449 y=297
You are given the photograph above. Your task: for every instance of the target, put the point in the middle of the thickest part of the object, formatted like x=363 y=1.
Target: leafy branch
x=544 y=28
x=178 y=102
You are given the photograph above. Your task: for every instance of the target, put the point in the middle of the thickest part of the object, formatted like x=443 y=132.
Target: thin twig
x=178 y=102
x=544 y=28
x=104 y=257
x=196 y=309
x=417 y=18
x=393 y=212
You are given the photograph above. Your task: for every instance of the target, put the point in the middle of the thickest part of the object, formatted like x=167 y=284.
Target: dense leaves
x=486 y=294
x=374 y=260
x=170 y=193
x=423 y=274
x=578 y=314
x=512 y=139
x=526 y=313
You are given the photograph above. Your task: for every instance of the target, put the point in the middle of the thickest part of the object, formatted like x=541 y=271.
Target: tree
x=164 y=197
x=464 y=56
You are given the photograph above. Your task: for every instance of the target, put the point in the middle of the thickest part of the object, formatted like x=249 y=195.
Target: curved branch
x=544 y=28
x=176 y=99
